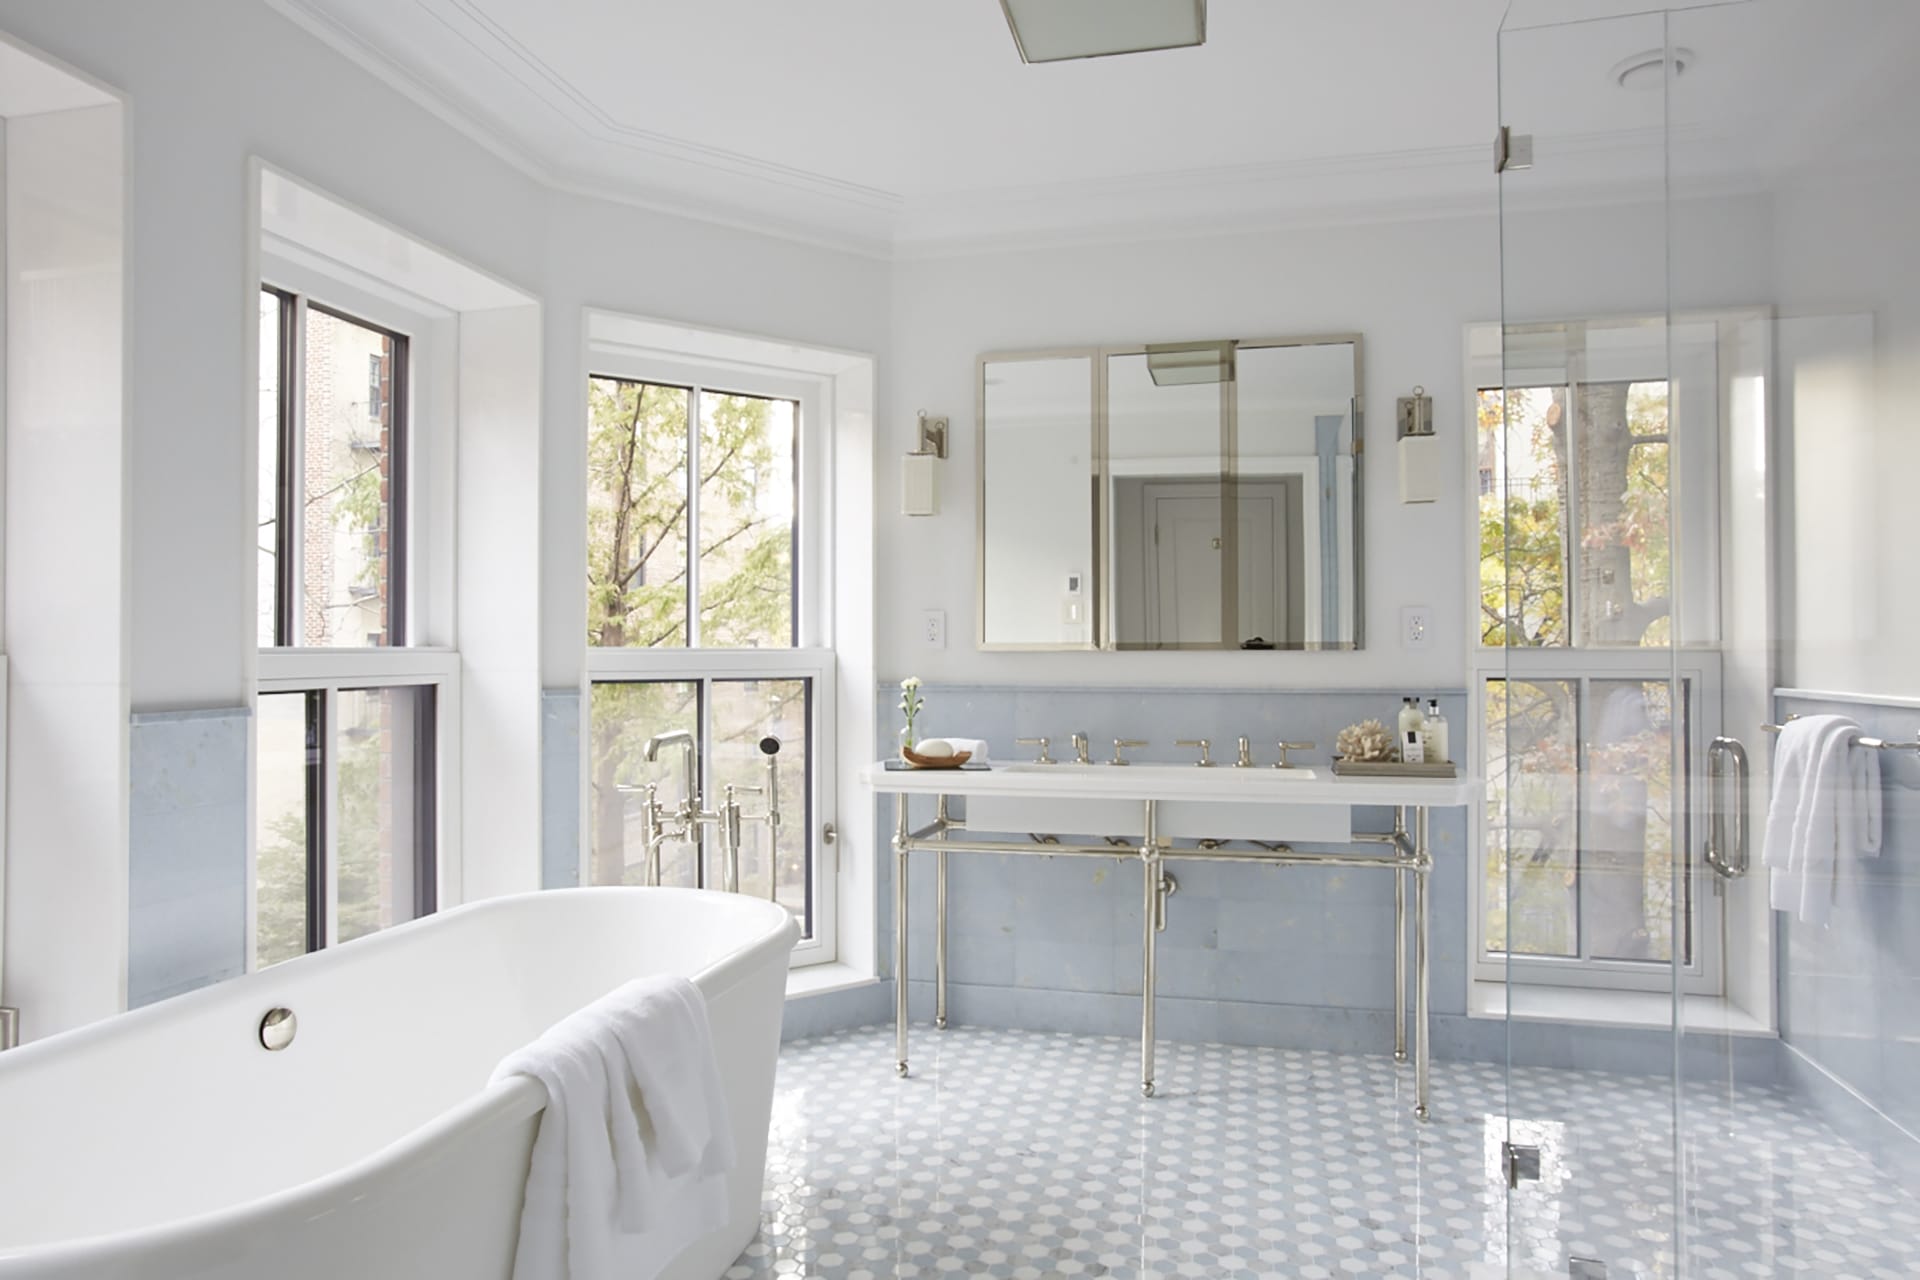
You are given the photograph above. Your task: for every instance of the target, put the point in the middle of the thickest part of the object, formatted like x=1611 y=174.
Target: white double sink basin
x=1220 y=803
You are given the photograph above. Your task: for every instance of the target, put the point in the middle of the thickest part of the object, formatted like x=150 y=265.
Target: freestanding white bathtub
x=169 y=1143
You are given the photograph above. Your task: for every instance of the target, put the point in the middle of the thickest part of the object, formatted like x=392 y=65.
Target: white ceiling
x=891 y=124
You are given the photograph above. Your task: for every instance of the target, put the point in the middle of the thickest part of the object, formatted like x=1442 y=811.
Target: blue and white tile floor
x=1028 y=1156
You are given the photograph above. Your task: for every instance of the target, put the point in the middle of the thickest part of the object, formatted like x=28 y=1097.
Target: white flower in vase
x=910 y=704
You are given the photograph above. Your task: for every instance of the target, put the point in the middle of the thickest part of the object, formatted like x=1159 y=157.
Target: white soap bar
x=934 y=749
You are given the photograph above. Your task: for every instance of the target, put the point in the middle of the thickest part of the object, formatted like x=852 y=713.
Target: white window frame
x=1695 y=659
x=813 y=656
x=424 y=658
x=332 y=672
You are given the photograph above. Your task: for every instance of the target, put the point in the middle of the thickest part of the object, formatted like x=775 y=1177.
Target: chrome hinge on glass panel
x=1522 y=1163
x=1512 y=150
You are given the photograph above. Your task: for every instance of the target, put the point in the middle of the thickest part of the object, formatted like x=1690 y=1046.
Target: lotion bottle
x=1435 y=734
x=1411 y=751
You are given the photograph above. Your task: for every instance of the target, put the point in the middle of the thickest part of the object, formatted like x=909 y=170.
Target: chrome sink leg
x=940 y=921
x=1150 y=912
x=1423 y=1029
x=900 y=935
x=1399 y=938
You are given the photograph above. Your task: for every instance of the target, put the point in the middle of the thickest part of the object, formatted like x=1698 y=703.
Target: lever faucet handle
x=1120 y=746
x=1206 y=750
x=1042 y=743
x=1283 y=762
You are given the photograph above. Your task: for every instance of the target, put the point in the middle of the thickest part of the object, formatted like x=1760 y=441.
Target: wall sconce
x=919 y=488
x=1421 y=466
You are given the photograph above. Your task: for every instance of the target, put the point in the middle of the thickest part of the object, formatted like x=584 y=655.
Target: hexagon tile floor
x=1028 y=1156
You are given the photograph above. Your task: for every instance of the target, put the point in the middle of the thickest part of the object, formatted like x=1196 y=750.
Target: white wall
x=497 y=550
x=1407 y=287
x=1849 y=293
x=66 y=579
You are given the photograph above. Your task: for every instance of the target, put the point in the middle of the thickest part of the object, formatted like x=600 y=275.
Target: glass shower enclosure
x=1694 y=434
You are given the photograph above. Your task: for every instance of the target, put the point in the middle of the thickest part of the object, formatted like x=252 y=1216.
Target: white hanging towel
x=1824 y=812
x=630 y=1163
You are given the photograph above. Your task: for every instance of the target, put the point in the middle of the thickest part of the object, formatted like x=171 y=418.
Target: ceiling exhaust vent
x=1062 y=30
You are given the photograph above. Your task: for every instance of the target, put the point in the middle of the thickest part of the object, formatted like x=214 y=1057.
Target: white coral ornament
x=1368 y=740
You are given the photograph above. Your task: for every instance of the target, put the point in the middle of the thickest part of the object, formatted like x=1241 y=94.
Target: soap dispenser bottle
x=1435 y=735
x=1410 y=718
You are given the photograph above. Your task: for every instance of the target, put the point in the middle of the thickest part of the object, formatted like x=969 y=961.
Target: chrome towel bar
x=1876 y=744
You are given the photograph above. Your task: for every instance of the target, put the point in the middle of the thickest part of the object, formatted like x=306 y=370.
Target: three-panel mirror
x=1200 y=495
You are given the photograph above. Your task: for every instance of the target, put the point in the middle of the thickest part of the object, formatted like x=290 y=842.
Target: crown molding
x=500 y=47
x=1175 y=204
x=347 y=42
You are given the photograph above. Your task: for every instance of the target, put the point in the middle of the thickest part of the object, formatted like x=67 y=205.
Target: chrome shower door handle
x=1727 y=851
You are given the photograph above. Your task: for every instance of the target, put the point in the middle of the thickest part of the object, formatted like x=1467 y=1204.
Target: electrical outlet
x=933 y=628
x=1416 y=627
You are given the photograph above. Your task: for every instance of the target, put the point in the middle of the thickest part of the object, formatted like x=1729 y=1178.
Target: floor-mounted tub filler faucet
x=688 y=819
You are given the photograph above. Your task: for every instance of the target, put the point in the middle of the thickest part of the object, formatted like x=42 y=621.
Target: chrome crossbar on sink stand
x=1410 y=856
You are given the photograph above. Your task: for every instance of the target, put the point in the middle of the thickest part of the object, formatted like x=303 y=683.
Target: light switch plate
x=1416 y=627
x=933 y=628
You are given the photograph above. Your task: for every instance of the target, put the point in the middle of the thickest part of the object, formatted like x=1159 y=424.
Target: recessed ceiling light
x=1647 y=71
x=1059 y=30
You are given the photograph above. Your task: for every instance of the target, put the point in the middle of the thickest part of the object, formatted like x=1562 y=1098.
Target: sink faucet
x=1246 y=755
x=1042 y=743
x=1285 y=747
x=1120 y=746
x=1080 y=755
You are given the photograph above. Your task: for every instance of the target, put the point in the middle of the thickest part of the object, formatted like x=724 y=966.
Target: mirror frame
x=1101 y=597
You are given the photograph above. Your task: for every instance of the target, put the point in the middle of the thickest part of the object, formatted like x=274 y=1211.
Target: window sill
x=819 y=979
x=1597 y=1007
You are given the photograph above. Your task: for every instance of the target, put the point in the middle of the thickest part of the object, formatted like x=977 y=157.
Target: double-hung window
x=1596 y=672
x=346 y=766
x=706 y=566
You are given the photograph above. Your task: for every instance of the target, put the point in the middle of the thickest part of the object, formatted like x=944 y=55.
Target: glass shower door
x=1596 y=677
x=1696 y=452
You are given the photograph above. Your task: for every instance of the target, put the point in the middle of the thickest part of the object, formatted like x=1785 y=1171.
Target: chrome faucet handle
x=1042 y=743
x=1246 y=755
x=1206 y=750
x=1283 y=762
x=1081 y=754
x=1120 y=745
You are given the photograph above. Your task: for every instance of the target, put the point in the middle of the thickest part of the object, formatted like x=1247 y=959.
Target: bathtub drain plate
x=276 y=1029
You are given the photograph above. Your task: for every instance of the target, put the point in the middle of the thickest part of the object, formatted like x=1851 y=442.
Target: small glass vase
x=907 y=740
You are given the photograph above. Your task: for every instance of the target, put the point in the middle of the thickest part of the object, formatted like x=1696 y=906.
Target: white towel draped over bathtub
x=1825 y=813
x=630 y=1163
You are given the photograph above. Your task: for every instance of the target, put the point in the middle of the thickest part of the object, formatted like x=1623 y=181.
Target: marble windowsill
x=1598 y=1007
x=819 y=979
